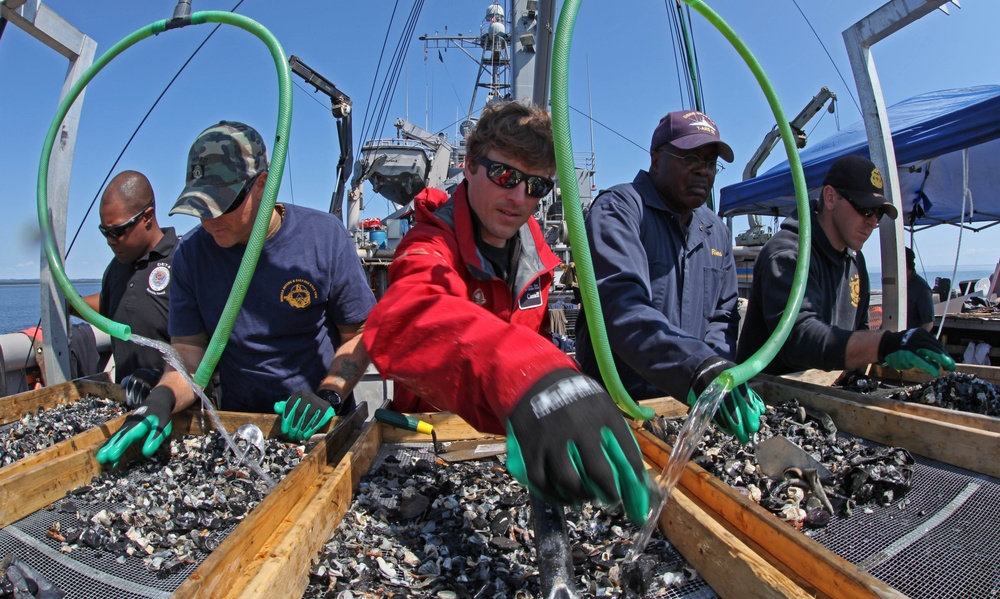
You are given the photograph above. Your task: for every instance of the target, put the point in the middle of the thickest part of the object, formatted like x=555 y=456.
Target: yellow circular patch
x=876 y=178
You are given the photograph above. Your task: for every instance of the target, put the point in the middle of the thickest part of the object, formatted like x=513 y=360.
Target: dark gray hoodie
x=835 y=303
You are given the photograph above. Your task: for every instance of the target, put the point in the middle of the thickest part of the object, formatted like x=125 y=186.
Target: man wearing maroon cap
x=831 y=331
x=666 y=276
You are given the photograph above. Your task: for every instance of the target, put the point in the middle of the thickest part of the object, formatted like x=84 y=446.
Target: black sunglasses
x=116 y=231
x=242 y=196
x=864 y=211
x=509 y=177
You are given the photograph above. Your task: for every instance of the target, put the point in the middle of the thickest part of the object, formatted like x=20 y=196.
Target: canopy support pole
x=859 y=38
x=43 y=24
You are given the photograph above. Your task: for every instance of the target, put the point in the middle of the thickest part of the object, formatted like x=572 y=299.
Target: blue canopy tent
x=929 y=133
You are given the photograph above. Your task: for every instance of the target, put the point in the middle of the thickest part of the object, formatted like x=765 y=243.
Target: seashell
x=409 y=558
x=386 y=568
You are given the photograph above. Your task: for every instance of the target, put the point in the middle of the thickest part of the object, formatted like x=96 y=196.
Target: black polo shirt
x=138 y=295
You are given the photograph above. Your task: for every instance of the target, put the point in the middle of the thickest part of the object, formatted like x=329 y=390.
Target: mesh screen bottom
x=939 y=541
x=85 y=572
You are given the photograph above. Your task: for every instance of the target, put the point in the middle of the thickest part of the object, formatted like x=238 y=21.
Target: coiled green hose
x=280 y=147
x=578 y=235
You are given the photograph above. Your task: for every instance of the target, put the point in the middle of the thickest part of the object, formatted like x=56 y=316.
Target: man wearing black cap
x=831 y=332
x=666 y=276
x=295 y=347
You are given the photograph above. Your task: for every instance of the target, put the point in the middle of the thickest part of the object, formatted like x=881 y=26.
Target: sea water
x=20 y=303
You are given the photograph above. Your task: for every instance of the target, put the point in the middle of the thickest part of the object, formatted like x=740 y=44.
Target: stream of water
x=687 y=441
x=174 y=359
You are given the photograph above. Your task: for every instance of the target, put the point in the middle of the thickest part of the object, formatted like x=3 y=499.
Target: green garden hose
x=578 y=236
x=221 y=335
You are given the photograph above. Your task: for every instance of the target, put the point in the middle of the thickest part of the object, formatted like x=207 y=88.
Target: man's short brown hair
x=515 y=129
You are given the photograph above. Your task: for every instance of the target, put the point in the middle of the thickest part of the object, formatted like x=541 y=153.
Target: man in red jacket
x=459 y=327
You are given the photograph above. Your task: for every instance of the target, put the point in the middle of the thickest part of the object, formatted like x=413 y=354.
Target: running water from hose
x=708 y=402
x=174 y=359
x=687 y=441
x=182 y=18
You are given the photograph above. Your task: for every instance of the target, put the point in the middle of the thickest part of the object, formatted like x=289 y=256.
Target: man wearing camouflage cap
x=295 y=347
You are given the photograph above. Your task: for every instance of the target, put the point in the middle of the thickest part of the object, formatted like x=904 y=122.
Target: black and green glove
x=740 y=411
x=305 y=412
x=915 y=348
x=150 y=421
x=138 y=385
x=568 y=442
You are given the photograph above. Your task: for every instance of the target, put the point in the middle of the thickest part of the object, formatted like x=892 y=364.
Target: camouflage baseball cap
x=221 y=161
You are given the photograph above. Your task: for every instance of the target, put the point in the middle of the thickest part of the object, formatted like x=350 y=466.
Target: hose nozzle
x=182 y=10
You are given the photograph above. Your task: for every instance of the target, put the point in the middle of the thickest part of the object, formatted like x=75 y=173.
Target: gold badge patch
x=876 y=178
x=299 y=293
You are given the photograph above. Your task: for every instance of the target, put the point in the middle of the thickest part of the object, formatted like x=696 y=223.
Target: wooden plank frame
x=971 y=448
x=13 y=407
x=270 y=552
x=823 y=572
x=47 y=476
x=705 y=542
x=957 y=417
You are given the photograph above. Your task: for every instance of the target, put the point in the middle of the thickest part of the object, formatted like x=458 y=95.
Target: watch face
x=329 y=395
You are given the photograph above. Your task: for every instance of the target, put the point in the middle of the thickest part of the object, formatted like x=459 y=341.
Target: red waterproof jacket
x=450 y=334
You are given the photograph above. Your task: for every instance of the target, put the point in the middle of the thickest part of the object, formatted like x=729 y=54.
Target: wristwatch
x=330 y=396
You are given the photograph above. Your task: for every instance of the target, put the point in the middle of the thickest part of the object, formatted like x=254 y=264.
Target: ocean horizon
x=972 y=272
x=20 y=301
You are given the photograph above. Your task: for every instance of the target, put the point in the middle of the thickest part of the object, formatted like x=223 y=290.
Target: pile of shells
x=862 y=472
x=171 y=509
x=956 y=391
x=20 y=580
x=37 y=431
x=418 y=528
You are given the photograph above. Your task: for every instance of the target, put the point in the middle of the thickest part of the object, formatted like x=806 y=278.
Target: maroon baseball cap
x=687 y=130
x=861 y=181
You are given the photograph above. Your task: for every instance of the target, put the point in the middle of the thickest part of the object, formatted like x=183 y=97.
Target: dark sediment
x=421 y=529
x=862 y=472
x=169 y=510
x=956 y=391
x=40 y=430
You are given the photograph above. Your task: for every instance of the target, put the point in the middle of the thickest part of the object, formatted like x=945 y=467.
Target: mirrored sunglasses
x=509 y=177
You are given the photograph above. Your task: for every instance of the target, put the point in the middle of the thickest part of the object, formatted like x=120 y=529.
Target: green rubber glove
x=740 y=411
x=151 y=420
x=915 y=348
x=305 y=412
x=568 y=442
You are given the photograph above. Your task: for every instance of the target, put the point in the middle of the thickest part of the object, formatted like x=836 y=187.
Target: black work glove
x=151 y=420
x=915 y=348
x=568 y=442
x=138 y=385
x=740 y=411
x=305 y=412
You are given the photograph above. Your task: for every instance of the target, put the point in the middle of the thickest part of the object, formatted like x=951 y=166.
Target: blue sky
x=626 y=45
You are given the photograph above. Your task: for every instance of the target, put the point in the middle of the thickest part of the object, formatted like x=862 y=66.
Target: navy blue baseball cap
x=687 y=130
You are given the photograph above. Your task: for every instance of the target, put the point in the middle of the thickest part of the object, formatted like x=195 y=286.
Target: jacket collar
x=535 y=255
